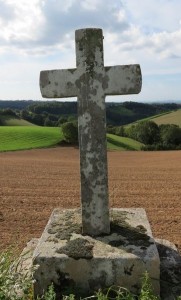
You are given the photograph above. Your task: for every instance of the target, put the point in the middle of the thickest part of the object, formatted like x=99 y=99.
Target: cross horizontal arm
x=58 y=83
x=123 y=80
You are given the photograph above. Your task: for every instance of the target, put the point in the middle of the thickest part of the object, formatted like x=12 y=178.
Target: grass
x=14 y=138
x=10 y=121
x=115 y=142
x=17 y=122
x=173 y=117
x=169 y=118
x=16 y=284
x=28 y=137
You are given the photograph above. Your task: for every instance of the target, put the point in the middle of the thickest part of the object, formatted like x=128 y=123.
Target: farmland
x=169 y=118
x=115 y=142
x=34 y=182
x=173 y=117
x=28 y=137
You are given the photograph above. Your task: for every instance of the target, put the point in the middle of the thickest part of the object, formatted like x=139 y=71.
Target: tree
x=111 y=129
x=170 y=134
x=1 y=122
x=48 y=122
x=61 y=121
x=24 y=114
x=70 y=132
x=146 y=132
x=8 y=111
x=120 y=131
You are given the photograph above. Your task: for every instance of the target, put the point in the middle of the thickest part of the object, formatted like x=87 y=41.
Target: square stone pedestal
x=81 y=264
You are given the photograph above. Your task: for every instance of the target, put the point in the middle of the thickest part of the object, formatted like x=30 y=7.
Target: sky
x=39 y=35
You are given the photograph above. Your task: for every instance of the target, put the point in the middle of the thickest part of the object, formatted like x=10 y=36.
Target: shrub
x=70 y=132
x=111 y=129
x=14 y=284
x=120 y=131
x=147 y=132
x=170 y=134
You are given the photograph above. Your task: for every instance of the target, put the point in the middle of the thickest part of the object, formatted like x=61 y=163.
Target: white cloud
x=22 y=22
x=154 y=15
x=146 y=32
x=168 y=45
x=90 y=4
x=40 y=27
x=45 y=23
x=120 y=16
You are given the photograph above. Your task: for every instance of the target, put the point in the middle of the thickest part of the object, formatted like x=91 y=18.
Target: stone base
x=170 y=270
x=81 y=264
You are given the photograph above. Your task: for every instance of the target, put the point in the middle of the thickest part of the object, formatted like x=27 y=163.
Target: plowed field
x=34 y=182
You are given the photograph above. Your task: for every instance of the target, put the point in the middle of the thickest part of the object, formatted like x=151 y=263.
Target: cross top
x=91 y=82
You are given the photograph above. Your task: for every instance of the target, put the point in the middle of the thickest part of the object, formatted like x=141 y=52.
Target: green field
x=173 y=117
x=10 y=121
x=28 y=137
x=115 y=142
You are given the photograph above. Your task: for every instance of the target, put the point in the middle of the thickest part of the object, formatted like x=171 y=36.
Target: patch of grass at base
x=28 y=137
x=17 y=284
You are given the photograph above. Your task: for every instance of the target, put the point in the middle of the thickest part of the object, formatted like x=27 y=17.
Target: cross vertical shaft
x=91 y=82
x=92 y=132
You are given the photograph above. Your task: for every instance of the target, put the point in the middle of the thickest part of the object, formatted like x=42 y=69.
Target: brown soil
x=34 y=182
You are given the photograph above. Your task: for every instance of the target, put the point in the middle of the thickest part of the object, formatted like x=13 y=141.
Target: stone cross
x=90 y=82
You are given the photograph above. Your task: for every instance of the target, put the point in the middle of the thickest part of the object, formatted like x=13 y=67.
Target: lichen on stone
x=78 y=248
x=71 y=224
x=89 y=44
x=133 y=235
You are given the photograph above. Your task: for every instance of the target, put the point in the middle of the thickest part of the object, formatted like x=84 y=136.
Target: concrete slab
x=82 y=264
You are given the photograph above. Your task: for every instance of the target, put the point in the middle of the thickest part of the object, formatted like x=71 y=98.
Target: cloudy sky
x=39 y=35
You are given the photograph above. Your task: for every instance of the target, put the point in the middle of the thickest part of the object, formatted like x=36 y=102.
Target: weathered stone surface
x=92 y=132
x=129 y=76
x=170 y=270
x=82 y=263
x=91 y=82
x=58 y=83
x=170 y=266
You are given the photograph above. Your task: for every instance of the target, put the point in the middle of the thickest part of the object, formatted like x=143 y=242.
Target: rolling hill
x=8 y=120
x=169 y=118
x=173 y=117
x=115 y=142
x=52 y=113
x=13 y=138
x=28 y=137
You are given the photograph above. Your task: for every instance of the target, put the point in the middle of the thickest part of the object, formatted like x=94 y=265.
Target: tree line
x=64 y=114
x=55 y=113
x=154 y=137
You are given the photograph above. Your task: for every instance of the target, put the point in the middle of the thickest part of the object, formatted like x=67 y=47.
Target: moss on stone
x=72 y=224
x=133 y=235
x=78 y=248
x=125 y=234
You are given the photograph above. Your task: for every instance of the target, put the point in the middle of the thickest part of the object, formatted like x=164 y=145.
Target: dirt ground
x=34 y=182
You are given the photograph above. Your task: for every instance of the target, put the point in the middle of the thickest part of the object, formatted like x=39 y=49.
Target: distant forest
x=54 y=113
